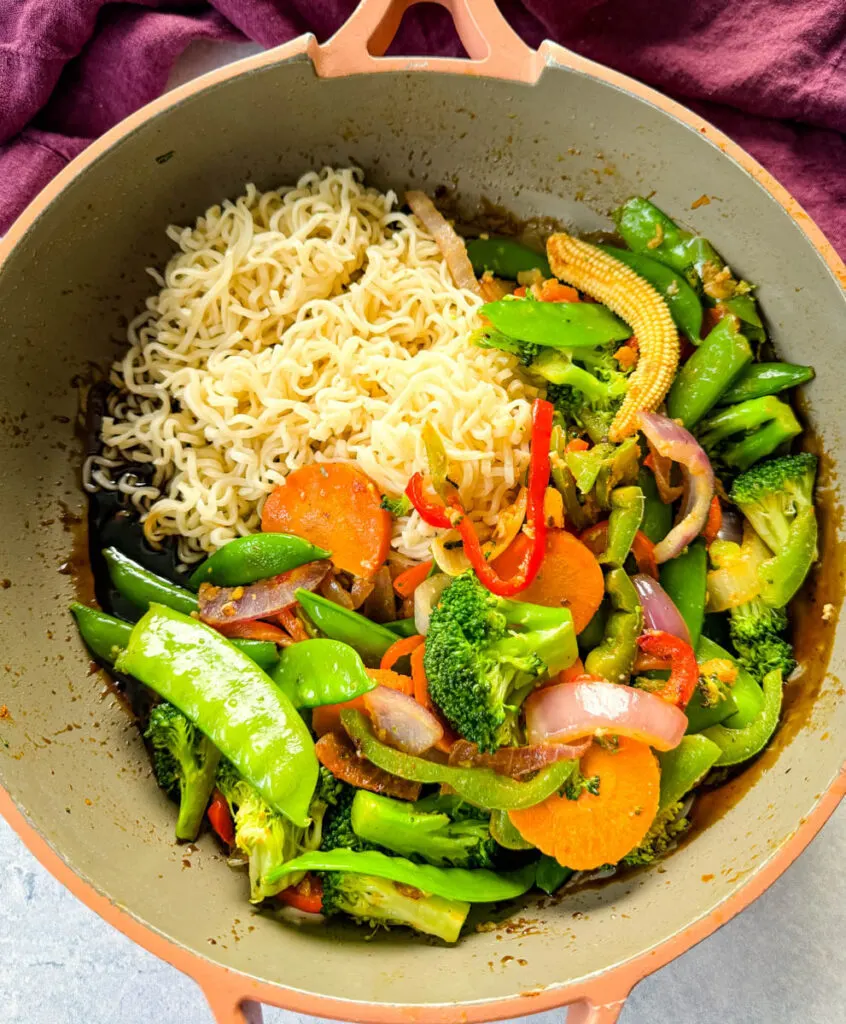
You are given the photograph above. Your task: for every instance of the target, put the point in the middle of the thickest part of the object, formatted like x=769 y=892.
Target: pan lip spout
x=600 y=995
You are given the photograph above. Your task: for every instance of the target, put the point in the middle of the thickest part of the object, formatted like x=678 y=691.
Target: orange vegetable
x=290 y=621
x=408 y=581
x=328 y=717
x=577 y=444
x=335 y=506
x=306 y=895
x=626 y=356
x=405 y=645
x=220 y=818
x=596 y=538
x=554 y=291
x=569 y=576
x=714 y=521
x=421 y=695
x=586 y=833
x=256 y=629
x=336 y=752
x=393 y=680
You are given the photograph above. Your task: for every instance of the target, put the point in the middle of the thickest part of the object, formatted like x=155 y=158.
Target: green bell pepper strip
x=783 y=574
x=647 y=230
x=738 y=745
x=107 y=636
x=551 y=875
x=478 y=786
x=614 y=658
x=476 y=885
x=505 y=833
x=504 y=257
x=756 y=428
x=257 y=557
x=627 y=508
x=685 y=578
x=745 y=308
x=317 y=672
x=556 y=324
x=231 y=701
x=402 y=627
x=746 y=695
x=657 y=516
x=143 y=588
x=684 y=767
x=762 y=379
x=368 y=638
x=709 y=372
x=682 y=300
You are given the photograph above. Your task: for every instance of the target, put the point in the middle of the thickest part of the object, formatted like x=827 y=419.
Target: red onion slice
x=222 y=606
x=401 y=722
x=570 y=711
x=659 y=612
x=448 y=241
x=672 y=440
x=515 y=762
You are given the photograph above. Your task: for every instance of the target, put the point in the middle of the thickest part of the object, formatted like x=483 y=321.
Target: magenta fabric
x=770 y=73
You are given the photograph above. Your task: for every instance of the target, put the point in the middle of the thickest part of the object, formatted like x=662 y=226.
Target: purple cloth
x=770 y=73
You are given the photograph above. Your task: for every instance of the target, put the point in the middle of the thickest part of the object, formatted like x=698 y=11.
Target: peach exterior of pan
x=496 y=53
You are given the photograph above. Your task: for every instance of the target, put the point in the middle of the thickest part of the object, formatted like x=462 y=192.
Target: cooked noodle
x=304 y=325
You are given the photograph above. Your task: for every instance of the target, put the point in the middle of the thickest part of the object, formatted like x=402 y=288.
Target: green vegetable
x=368 y=638
x=257 y=557
x=684 y=578
x=586 y=386
x=317 y=672
x=603 y=467
x=627 y=508
x=762 y=379
x=738 y=745
x=106 y=636
x=756 y=632
x=230 y=700
x=473 y=886
x=591 y=636
x=504 y=257
x=744 y=307
x=663 y=834
x=682 y=301
x=745 y=697
x=185 y=763
x=742 y=434
x=398 y=507
x=777 y=497
x=479 y=786
x=614 y=658
x=657 y=517
x=403 y=828
x=555 y=324
x=402 y=627
x=143 y=588
x=484 y=655
x=505 y=833
x=684 y=767
x=709 y=372
x=647 y=230
x=551 y=875
x=268 y=839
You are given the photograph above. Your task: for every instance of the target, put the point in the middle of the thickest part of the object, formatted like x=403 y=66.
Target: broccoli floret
x=589 y=394
x=755 y=630
x=663 y=834
x=185 y=763
x=338 y=833
x=489 y=337
x=484 y=655
x=398 y=507
x=742 y=434
x=264 y=835
x=405 y=829
x=773 y=493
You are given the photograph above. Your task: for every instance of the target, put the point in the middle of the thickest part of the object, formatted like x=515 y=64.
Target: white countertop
x=782 y=961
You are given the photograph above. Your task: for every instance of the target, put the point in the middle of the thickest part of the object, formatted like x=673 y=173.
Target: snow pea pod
x=746 y=309
x=739 y=744
x=504 y=257
x=614 y=657
x=317 y=672
x=556 y=324
x=477 y=885
x=230 y=700
x=657 y=516
x=402 y=627
x=481 y=787
x=685 y=578
x=647 y=230
x=684 y=767
x=762 y=379
x=551 y=875
x=368 y=638
x=627 y=508
x=743 y=704
x=682 y=301
x=504 y=832
x=143 y=588
x=709 y=373
x=257 y=557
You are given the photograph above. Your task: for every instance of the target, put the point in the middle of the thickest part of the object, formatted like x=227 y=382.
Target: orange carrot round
x=593 y=830
x=335 y=506
x=569 y=576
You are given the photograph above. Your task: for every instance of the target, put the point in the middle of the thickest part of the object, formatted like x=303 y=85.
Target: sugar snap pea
x=556 y=324
x=257 y=557
x=684 y=578
x=317 y=672
x=143 y=588
x=505 y=257
x=657 y=516
x=368 y=638
x=762 y=379
x=685 y=766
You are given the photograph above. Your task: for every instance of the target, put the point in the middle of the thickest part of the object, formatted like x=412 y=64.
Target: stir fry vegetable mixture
x=395 y=741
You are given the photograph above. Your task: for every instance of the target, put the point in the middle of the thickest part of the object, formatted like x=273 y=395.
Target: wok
x=539 y=133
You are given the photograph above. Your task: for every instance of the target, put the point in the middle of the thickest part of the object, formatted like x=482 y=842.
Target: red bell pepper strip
x=306 y=895
x=684 y=671
x=714 y=521
x=220 y=818
x=429 y=511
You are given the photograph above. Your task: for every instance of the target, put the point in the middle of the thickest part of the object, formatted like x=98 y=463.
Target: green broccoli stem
x=558 y=368
x=196 y=791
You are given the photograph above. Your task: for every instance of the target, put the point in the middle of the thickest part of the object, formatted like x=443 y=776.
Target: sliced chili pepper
x=220 y=818
x=398 y=650
x=684 y=671
x=596 y=538
x=714 y=521
x=306 y=895
x=429 y=511
x=408 y=581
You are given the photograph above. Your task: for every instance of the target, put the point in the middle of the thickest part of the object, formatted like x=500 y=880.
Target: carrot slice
x=290 y=621
x=586 y=833
x=393 y=680
x=569 y=575
x=408 y=581
x=405 y=645
x=554 y=291
x=335 y=506
x=421 y=695
x=256 y=629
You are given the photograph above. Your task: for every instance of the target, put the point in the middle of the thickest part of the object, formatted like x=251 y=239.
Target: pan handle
x=588 y=1012
x=495 y=49
x=227 y=1005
